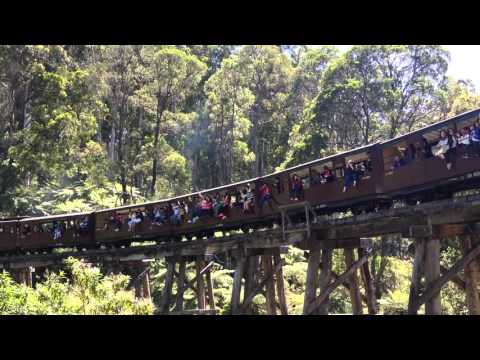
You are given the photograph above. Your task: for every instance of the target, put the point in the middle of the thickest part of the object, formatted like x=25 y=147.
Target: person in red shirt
x=327 y=174
x=227 y=199
x=296 y=188
x=207 y=206
x=265 y=194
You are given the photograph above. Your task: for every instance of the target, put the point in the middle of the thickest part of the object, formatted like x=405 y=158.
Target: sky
x=464 y=62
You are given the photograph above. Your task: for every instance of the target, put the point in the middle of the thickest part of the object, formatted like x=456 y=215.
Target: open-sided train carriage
x=48 y=232
x=8 y=235
x=330 y=194
x=378 y=184
x=421 y=174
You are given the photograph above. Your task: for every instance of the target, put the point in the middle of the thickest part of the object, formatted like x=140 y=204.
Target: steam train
x=419 y=180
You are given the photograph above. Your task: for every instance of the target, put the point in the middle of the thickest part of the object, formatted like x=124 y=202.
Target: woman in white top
x=443 y=148
x=463 y=138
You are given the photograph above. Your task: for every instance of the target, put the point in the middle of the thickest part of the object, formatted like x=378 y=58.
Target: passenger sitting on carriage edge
x=327 y=174
x=360 y=169
x=56 y=230
x=227 y=199
x=206 y=206
x=117 y=222
x=398 y=162
x=454 y=142
x=444 y=148
x=83 y=226
x=176 y=218
x=159 y=215
x=196 y=210
x=463 y=138
x=265 y=194
x=134 y=219
x=475 y=139
x=350 y=175
x=297 y=188
x=217 y=204
x=248 y=197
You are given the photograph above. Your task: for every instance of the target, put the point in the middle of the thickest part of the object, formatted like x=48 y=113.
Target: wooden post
x=417 y=273
x=312 y=279
x=432 y=273
x=312 y=307
x=211 y=297
x=369 y=285
x=200 y=283
x=282 y=300
x=28 y=278
x=180 y=284
x=471 y=279
x=167 y=290
x=353 y=281
x=324 y=279
x=146 y=285
x=136 y=269
x=237 y=285
x=270 y=286
x=250 y=280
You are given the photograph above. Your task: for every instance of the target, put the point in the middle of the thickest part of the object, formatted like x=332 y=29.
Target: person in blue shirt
x=351 y=176
x=398 y=162
x=475 y=138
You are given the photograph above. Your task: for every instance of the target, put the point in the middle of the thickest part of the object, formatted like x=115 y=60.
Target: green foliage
x=85 y=292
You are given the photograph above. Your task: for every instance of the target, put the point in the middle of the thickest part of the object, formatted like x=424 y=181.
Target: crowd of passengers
x=57 y=229
x=191 y=210
x=465 y=143
x=352 y=173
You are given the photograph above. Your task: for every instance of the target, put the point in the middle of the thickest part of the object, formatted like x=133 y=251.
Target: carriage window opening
x=322 y=174
x=304 y=177
x=361 y=163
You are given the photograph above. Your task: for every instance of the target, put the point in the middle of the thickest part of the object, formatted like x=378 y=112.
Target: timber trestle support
x=202 y=285
x=322 y=281
x=256 y=263
x=259 y=272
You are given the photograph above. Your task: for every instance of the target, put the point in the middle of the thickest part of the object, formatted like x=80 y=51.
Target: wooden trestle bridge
x=257 y=259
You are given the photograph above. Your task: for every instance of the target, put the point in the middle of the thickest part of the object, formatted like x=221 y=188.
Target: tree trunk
x=161 y=106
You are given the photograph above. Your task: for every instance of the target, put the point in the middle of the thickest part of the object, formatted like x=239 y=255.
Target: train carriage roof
x=55 y=217
x=13 y=218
